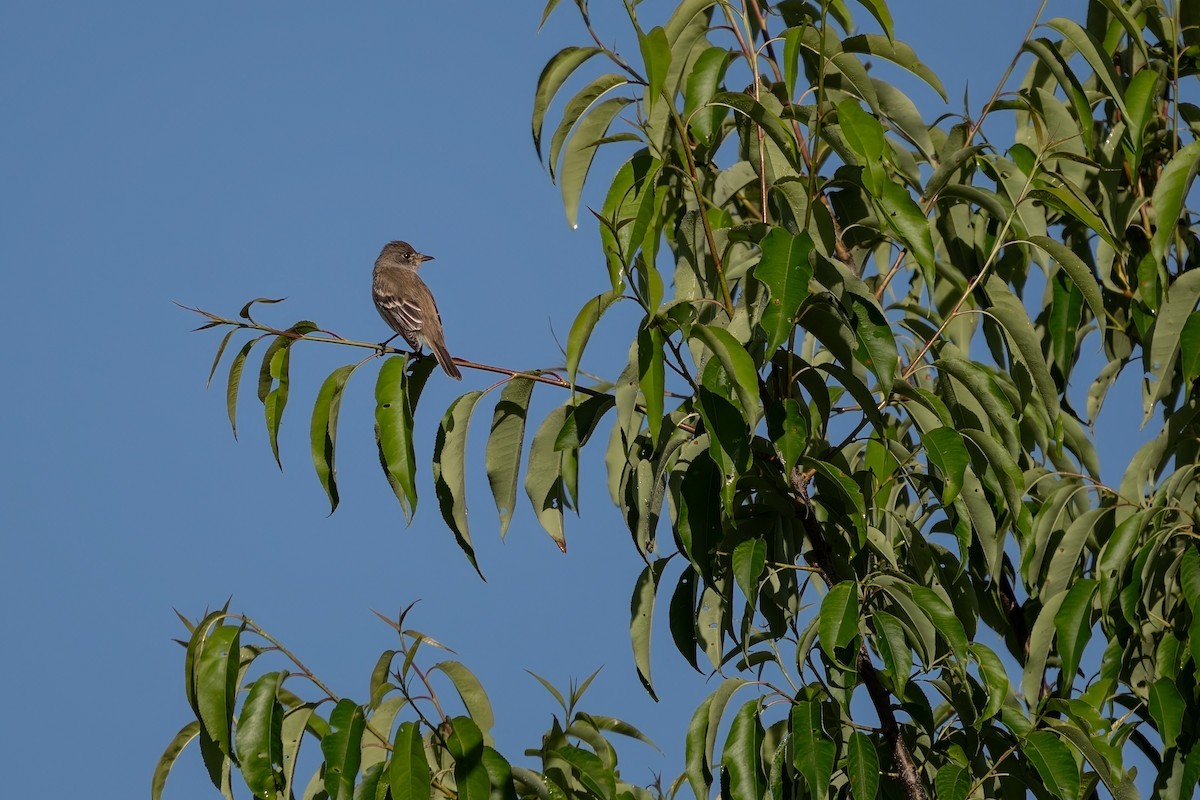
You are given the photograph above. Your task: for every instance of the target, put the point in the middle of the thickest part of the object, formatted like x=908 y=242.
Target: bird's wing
x=403 y=315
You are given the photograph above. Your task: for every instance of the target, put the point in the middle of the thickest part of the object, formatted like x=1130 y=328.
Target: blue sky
x=211 y=153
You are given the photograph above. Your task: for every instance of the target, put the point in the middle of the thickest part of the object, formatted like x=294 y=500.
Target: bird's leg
x=383 y=345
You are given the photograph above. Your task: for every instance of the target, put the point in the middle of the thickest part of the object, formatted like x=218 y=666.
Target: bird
x=406 y=304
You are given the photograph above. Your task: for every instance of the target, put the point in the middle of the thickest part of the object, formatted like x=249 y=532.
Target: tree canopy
x=853 y=442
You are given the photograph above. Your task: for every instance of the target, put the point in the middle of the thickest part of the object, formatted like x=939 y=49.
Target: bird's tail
x=444 y=359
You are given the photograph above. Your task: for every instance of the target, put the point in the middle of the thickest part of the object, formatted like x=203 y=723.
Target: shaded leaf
x=507 y=438
x=450 y=470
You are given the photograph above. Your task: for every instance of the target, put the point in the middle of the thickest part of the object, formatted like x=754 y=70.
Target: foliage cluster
x=849 y=398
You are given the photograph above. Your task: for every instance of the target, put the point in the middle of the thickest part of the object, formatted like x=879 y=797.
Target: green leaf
x=1077 y=270
x=737 y=365
x=397 y=390
x=245 y=312
x=408 y=771
x=905 y=217
x=553 y=76
x=450 y=471
x=216 y=678
x=651 y=375
x=165 y=762
x=1008 y=310
x=273 y=384
x=581 y=329
x=581 y=149
x=946 y=451
x=741 y=754
x=879 y=10
x=235 y=380
x=876 y=345
x=472 y=694
x=1092 y=52
x=342 y=749
x=593 y=774
x=813 y=752
x=709 y=69
x=575 y=108
x=838 y=624
x=948 y=625
x=1166 y=336
x=1054 y=764
x=772 y=125
x=295 y=723
x=503 y=457
x=702 y=736
x=1167 y=709
x=217 y=358
x=1189 y=348
x=500 y=775
x=862 y=765
x=952 y=782
x=849 y=491
x=465 y=744
x=749 y=560
x=787 y=426
x=682 y=613
x=864 y=135
x=1073 y=623
x=544 y=479
x=656 y=54
x=323 y=431
x=893 y=648
x=995 y=679
x=641 y=617
x=898 y=53
x=259 y=736
x=582 y=419
x=785 y=271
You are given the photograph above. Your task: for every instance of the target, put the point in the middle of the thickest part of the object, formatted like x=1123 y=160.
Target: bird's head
x=404 y=254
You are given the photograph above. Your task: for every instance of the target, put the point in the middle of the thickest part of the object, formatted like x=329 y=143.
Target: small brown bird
x=406 y=304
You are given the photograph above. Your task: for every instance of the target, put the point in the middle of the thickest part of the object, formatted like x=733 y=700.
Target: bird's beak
x=424 y=257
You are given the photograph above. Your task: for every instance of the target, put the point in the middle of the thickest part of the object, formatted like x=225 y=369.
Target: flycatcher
x=406 y=304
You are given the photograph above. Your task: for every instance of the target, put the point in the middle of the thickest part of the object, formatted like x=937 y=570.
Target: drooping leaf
x=839 y=618
x=450 y=470
x=216 y=682
x=737 y=365
x=472 y=694
x=504 y=445
x=323 y=430
x=656 y=54
x=235 y=381
x=862 y=765
x=740 y=756
x=581 y=329
x=170 y=755
x=409 y=776
x=702 y=736
x=813 y=752
x=948 y=453
x=641 y=616
x=397 y=390
x=553 y=76
x=259 y=737
x=581 y=149
x=1167 y=333
x=342 y=749
x=1054 y=764
x=785 y=271
x=544 y=479
x=1073 y=623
